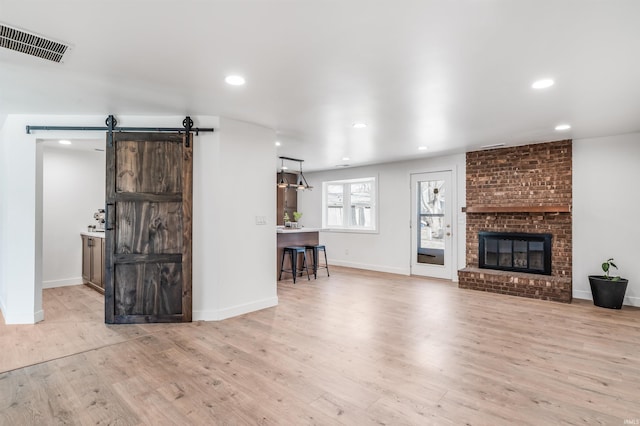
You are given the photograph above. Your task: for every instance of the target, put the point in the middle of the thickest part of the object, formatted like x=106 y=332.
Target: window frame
x=347 y=226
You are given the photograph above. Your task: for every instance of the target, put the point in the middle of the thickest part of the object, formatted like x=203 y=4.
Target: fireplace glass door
x=515 y=252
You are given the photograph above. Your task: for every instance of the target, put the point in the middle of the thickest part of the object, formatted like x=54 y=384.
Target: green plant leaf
x=613 y=264
x=605 y=266
x=615 y=279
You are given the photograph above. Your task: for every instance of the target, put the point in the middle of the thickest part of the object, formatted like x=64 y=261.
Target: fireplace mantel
x=517 y=209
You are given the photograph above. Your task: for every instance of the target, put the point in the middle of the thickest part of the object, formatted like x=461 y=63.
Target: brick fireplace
x=524 y=189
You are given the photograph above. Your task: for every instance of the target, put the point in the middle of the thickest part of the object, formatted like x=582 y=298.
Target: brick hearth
x=523 y=178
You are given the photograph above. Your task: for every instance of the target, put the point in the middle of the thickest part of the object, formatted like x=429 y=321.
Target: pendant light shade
x=302 y=181
x=282 y=182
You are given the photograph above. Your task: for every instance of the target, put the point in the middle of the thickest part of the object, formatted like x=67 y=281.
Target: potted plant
x=608 y=291
x=296 y=216
x=286 y=220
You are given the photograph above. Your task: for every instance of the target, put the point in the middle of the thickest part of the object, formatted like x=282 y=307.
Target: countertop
x=295 y=230
x=93 y=234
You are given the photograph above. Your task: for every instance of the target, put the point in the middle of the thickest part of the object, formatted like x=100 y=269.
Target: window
x=350 y=204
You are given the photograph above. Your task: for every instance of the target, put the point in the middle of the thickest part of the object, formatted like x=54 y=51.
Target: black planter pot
x=608 y=293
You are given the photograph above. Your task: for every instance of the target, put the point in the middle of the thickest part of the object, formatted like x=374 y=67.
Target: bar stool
x=316 y=248
x=293 y=252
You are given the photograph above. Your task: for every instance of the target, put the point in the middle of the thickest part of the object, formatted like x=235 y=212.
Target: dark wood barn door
x=148 y=241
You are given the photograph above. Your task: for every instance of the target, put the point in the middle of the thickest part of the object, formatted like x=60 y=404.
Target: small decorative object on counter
x=99 y=217
x=295 y=224
x=287 y=220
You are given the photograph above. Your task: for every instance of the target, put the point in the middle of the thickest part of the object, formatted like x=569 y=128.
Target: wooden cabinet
x=93 y=262
x=287 y=199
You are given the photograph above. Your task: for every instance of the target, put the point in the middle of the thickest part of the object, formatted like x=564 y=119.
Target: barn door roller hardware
x=112 y=126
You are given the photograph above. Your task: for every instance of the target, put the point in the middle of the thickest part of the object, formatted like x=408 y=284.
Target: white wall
x=226 y=282
x=73 y=190
x=606 y=201
x=4 y=200
x=18 y=286
x=239 y=255
x=389 y=250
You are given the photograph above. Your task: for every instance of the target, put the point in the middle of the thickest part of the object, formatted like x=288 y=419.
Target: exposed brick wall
x=530 y=175
x=538 y=175
x=542 y=287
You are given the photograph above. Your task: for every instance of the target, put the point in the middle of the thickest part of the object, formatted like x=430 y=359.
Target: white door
x=431 y=236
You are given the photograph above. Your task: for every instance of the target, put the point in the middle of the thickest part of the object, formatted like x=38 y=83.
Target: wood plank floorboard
x=355 y=348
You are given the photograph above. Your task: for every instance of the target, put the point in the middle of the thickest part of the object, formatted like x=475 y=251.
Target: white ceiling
x=451 y=75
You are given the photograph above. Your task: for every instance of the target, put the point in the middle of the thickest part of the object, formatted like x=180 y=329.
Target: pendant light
x=283 y=182
x=301 y=182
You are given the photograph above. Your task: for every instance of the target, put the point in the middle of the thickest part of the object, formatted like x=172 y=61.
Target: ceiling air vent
x=31 y=44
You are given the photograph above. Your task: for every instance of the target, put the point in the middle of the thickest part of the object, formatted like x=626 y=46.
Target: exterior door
x=148 y=228
x=431 y=236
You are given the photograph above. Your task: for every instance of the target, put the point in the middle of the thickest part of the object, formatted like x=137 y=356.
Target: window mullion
x=346 y=217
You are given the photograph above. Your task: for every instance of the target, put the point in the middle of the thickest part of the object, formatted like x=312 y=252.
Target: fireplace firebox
x=520 y=252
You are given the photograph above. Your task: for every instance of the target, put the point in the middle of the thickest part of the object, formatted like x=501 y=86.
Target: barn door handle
x=108 y=226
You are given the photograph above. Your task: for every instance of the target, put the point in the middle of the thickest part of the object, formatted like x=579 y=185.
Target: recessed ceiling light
x=345 y=159
x=234 y=80
x=563 y=127
x=542 y=84
x=64 y=142
x=359 y=125
x=278 y=143
x=422 y=148
x=284 y=168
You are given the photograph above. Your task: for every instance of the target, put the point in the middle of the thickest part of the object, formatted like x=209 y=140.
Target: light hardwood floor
x=355 y=348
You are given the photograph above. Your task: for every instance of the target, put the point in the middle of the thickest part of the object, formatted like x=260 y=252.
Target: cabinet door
x=86 y=258
x=96 y=262
x=102 y=262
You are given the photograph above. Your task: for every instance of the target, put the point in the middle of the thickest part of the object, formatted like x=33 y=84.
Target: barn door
x=148 y=236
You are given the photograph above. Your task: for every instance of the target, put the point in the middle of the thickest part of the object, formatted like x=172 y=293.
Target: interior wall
x=18 y=287
x=4 y=199
x=605 y=211
x=388 y=250
x=73 y=190
x=238 y=188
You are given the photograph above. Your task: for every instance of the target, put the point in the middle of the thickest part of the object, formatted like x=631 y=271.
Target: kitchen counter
x=295 y=230
x=93 y=234
x=293 y=237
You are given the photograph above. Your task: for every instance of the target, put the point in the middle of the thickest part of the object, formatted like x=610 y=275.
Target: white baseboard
x=632 y=301
x=581 y=294
x=586 y=295
x=62 y=283
x=3 y=309
x=370 y=267
x=14 y=318
x=234 y=311
x=39 y=316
